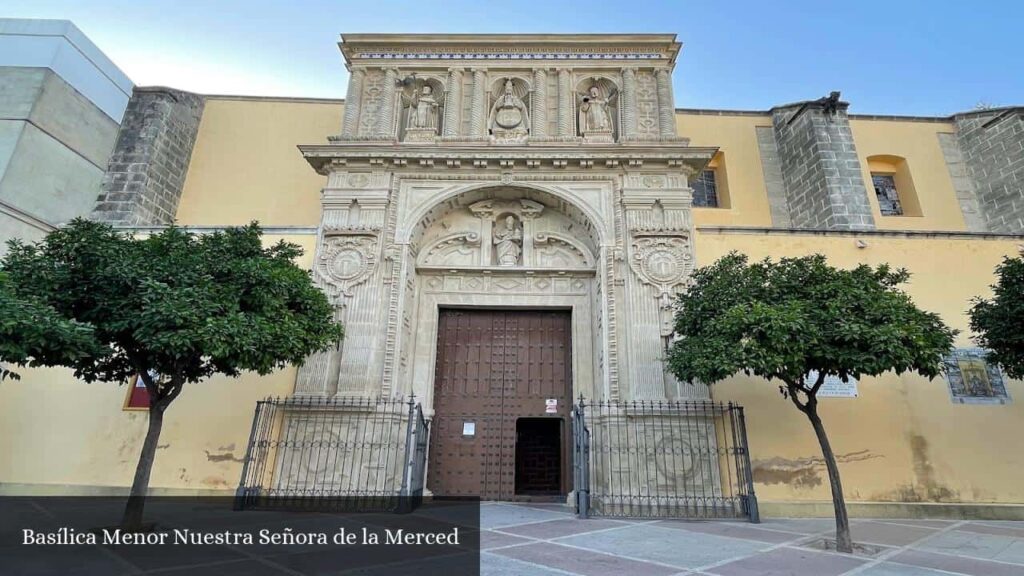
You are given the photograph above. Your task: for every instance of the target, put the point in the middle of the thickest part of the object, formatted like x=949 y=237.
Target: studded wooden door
x=493 y=368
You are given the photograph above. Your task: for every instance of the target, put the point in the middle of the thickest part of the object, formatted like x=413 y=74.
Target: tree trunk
x=844 y=542
x=132 y=520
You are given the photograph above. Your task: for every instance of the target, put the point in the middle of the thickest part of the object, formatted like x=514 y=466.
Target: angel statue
x=595 y=113
x=423 y=108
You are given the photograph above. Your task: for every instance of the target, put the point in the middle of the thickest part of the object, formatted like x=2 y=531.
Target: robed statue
x=423 y=109
x=509 y=114
x=595 y=115
x=507 y=241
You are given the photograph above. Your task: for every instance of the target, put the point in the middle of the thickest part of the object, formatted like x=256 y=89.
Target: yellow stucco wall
x=737 y=140
x=58 y=431
x=918 y=144
x=902 y=438
x=245 y=165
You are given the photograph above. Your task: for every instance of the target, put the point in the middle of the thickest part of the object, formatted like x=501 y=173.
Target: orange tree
x=797 y=321
x=174 y=308
x=999 y=321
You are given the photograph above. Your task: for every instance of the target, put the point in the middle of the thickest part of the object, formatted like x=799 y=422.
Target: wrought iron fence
x=662 y=459
x=335 y=453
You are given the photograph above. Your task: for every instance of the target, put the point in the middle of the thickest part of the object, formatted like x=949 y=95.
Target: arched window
x=893 y=186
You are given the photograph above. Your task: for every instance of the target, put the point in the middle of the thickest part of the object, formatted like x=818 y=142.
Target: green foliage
x=782 y=320
x=185 y=306
x=32 y=333
x=999 y=322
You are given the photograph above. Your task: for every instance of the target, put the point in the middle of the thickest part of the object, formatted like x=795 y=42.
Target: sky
x=894 y=57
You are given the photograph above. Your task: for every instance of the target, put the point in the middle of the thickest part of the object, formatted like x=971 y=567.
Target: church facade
x=503 y=223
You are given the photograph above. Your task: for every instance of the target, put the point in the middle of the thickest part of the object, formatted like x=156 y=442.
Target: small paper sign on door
x=551 y=406
x=469 y=428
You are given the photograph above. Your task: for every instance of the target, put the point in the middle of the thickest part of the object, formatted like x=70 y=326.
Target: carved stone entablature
x=676 y=159
x=346 y=259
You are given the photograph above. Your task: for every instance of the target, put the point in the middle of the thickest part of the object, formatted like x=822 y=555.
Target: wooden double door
x=502 y=398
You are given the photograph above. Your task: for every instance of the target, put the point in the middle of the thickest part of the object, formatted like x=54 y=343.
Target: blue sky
x=896 y=57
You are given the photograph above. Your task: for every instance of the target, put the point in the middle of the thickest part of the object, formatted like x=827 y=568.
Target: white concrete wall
x=61 y=47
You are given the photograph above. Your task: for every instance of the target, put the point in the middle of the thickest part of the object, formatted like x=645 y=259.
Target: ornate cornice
x=453 y=159
x=387 y=49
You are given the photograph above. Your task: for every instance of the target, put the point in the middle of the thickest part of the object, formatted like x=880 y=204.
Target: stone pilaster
x=386 y=120
x=478 y=105
x=453 y=104
x=565 y=103
x=966 y=195
x=539 y=103
x=992 y=143
x=146 y=171
x=666 y=105
x=774 y=183
x=627 y=100
x=350 y=125
x=820 y=167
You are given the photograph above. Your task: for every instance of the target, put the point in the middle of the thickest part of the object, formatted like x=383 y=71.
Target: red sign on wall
x=138 y=396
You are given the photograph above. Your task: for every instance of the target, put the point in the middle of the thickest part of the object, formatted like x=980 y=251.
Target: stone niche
x=505 y=90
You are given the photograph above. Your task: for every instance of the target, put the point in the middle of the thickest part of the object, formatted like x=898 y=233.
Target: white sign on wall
x=833 y=386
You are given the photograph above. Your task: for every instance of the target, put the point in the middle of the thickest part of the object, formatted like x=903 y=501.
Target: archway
x=505 y=328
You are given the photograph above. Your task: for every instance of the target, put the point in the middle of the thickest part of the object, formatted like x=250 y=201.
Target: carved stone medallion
x=346 y=260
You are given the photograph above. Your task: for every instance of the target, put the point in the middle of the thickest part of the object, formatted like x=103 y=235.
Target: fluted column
x=350 y=125
x=666 y=107
x=453 y=103
x=539 y=103
x=478 y=104
x=386 y=122
x=565 y=96
x=627 y=100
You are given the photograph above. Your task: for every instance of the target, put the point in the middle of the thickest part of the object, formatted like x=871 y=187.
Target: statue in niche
x=423 y=108
x=509 y=117
x=508 y=241
x=595 y=117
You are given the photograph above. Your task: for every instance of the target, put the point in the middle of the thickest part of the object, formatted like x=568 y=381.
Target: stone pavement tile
x=888 y=534
x=583 y=562
x=489 y=539
x=70 y=561
x=788 y=562
x=498 y=515
x=732 y=530
x=560 y=528
x=238 y=568
x=799 y=525
x=151 y=557
x=665 y=545
x=890 y=569
x=1012 y=531
x=914 y=522
x=495 y=565
x=975 y=545
x=957 y=564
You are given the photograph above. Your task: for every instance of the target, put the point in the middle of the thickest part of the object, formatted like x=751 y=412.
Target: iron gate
x=335 y=454
x=662 y=459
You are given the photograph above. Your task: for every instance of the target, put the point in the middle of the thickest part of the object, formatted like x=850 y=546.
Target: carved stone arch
x=456 y=249
x=411 y=226
x=523 y=85
x=558 y=242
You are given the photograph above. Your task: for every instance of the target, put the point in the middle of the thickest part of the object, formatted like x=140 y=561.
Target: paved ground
x=543 y=540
